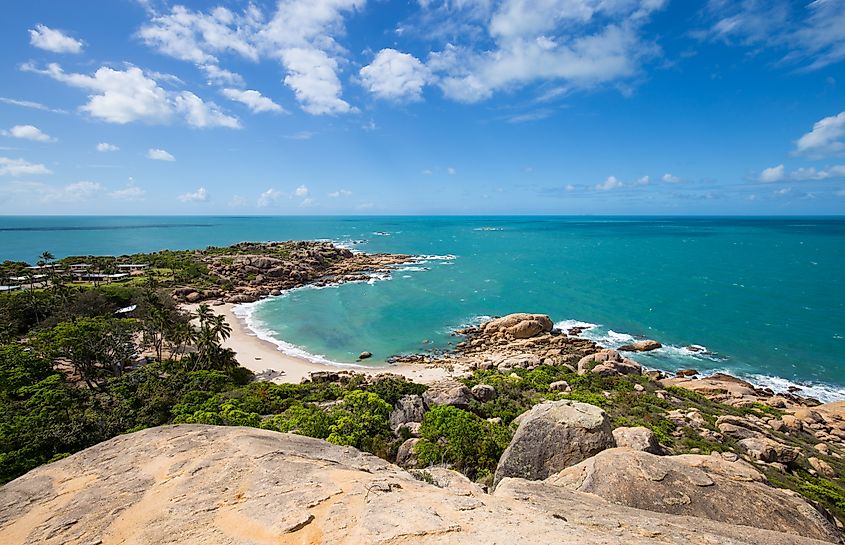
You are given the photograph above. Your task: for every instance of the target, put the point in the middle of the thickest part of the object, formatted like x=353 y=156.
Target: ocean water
x=764 y=296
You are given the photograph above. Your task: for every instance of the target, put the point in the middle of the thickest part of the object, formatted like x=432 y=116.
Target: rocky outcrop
x=700 y=486
x=608 y=362
x=646 y=345
x=447 y=392
x=483 y=392
x=519 y=326
x=554 y=435
x=409 y=408
x=204 y=485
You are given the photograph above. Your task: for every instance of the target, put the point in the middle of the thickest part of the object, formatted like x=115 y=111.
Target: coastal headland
x=521 y=424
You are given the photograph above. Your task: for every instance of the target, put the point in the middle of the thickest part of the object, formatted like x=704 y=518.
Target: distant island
x=95 y=347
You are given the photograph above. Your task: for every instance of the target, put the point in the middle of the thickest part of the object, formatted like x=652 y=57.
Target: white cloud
x=129 y=193
x=573 y=43
x=253 y=99
x=772 y=174
x=307 y=202
x=74 y=192
x=782 y=191
x=200 y=195
x=21 y=167
x=312 y=75
x=427 y=172
x=450 y=171
x=395 y=76
x=810 y=33
x=827 y=138
x=301 y=135
x=670 y=178
x=268 y=197
x=569 y=187
x=840 y=193
x=299 y=35
x=30 y=104
x=642 y=180
x=203 y=114
x=238 y=201
x=301 y=191
x=27 y=132
x=611 y=183
x=157 y=154
x=53 y=40
x=124 y=96
x=106 y=147
x=339 y=193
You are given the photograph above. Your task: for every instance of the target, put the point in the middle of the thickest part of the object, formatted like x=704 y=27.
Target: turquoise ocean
x=764 y=296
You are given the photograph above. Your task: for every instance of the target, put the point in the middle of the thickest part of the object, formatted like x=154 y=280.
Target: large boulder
x=226 y=485
x=519 y=326
x=447 y=392
x=701 y=486
x=483 y=392
x=608 y=362
x=409 y=408
x=405 y=456
x=554 y=435
x=637 y=438
x=767 y=450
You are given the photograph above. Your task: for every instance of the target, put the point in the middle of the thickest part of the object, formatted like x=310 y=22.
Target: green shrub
x=462 y=440
x=360 y=420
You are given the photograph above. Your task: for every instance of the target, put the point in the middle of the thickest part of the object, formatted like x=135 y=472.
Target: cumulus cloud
x=268 y=197
x=157 y=154
x=53 y=40
x=301 y=191
x=642 y=180
x=28 y=132
x=21 y=167
x=200 y=195
x=826 y=139
x=339 y=193
x=772 y=174
x=670 y=178
x=395 y=76
x=124 y=96
x=610 y=183
x=104 y=147
x=299 y=34
x=779 y=173
x=254 y=100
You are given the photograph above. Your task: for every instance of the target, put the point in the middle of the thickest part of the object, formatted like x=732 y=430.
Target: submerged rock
x=641 y=346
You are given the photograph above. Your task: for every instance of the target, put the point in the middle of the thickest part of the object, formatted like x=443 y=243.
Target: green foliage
x=360 y=420
x=462 y=440
x=303 y=419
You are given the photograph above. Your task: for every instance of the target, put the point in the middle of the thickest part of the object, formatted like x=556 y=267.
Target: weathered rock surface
x=447 y=392
x=405 y=456
x=646 y=345
x=520 y=325
x=768 y=450
x=554 y=435
x=637 y=438
x=204 y=485
x=483 y=392
x=700 y=486
x=608 y=362
x=409 y=408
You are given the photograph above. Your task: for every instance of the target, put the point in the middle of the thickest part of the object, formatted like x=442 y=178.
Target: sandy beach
x=259 y=356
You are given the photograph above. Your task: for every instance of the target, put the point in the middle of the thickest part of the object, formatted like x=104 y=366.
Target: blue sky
x=423 y=106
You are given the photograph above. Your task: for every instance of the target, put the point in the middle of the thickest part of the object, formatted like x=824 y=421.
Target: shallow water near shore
x=765 y=296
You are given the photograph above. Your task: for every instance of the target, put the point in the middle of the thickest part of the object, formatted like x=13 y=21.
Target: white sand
x=258 y=356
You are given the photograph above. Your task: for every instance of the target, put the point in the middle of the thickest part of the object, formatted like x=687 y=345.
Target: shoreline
x=266 y=359
x=259 y=356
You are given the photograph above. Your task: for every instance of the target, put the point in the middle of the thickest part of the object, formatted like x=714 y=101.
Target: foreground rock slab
x=701 y=486
x=202 y=485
